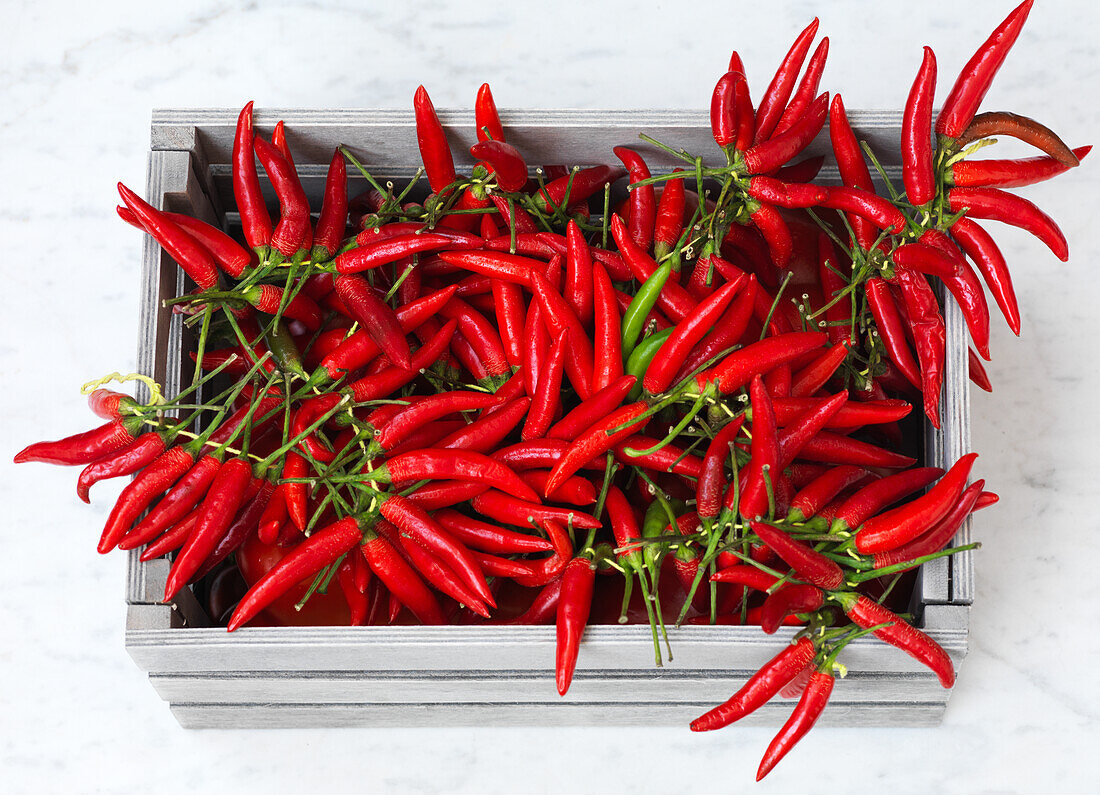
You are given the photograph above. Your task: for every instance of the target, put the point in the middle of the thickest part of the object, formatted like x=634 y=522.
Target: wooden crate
x=475 y=675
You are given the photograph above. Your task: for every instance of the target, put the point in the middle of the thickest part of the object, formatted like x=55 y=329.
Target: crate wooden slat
x=454 y=676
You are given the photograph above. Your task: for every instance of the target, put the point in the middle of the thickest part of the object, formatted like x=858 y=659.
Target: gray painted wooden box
x=470 y=675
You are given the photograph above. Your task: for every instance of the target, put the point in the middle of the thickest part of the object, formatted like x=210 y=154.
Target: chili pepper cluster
x=516 y=383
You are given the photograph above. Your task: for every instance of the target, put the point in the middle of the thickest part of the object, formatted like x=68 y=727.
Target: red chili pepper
x=831 y=448
x=723 y=111
x=643 y=201
x=544 y=608
x=726 y=332
x=255 y=220
x=891 y=331
x=560 y=320
x=662 y=369
x=807 y=88
x=578 y=274
x=789 y=600
x=432 y=140
x=497 y=265
x=577 y=584
x=245 y=522
x=813 y=377
x=738 y=368
x=795 y=436
x=853 y=414
x=489 y=538
x=899 y=526
x=192 y=257
x=486 y=118
x=278 y=140
x=391 y=249
x=822 y=489
x=669 y=458
x=576 y=187
x=171 y=540
x=124 y=461
x=396 y=428
x=401 y=579
x=747 y=575
x=763 y=465
x=608 y=355
x=785 y=194
x=922 y=313
x=227 y=252
x=375 y=316
x=853 y=168
x=294 y=221
x=768 y=154
x=538 y=454
x=1009 y=173
x=591 y=411
x=674 y=301
x=975 y=78
x=489 y=364
x=779 y=90
x=808 y=564
x=358 y=604
x=140 y=493
x=712 y=480
x=867 y=205
x=760 y=688
x=268 y=298
x=547 y=397
x=575 y=491
x=805 y=715
x=505 y=160
x=110 y=405
x=870 y=499
x=597 y=440
x=506 y=509
x=486 y=433
x=83 y=448
x=274 y=516
x=385 y=383
x=976 y=371
x=964 y=286
x=997 y=205
x=916 y=134
x=333 y=220
x=938 y=536
x=445 y=493
x=510 y=316
x=451 y=465
x=899 y=633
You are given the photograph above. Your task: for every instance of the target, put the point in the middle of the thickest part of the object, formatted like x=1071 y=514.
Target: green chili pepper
x=642 y=355
x=634 y=318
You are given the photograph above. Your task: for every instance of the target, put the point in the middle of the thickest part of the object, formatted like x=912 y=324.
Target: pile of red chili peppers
x=464 y=408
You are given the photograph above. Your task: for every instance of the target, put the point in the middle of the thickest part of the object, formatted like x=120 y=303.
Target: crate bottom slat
x=316 y=716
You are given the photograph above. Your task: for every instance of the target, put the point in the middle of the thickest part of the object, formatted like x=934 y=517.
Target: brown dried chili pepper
x=916 y=134
x=760 y=688
x=1008 y=173
x=1022 y=128
x=998 y=205
x=976 y=77
x=779 y=90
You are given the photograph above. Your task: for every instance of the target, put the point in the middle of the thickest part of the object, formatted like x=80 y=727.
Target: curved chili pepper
x=712 y=481
x=560 y=320
x=789 y=600
x=810 y=379
x=278 y=140
x=692 y=329
x=451 y=464
x=1008 y=173
x=505 y=160
x=635 y=317
x=768 y=154
x=255 y=220
x=124 y=461
x=576 y=187
x=867 y=205
x=831 y=448
x=785 y=194
x=870 y=499
x=192 y=257
x=888 y=322
x=976 y=371
x=597 y=440
x=643 y=200
x=809 y=708
x=747 y=575
x=807 y=88
x=916 y=134
x=795 y=436
x=922 y=312
x=543 y=608
x=110 y=405
x=591 y=411
x=998 y=205
x=575 y=491
x=899 y=526
x=489 y=538
x=333 y=221
x=397 y=428
x=938 y=536
x=867 y=613
x=779 y=90
x=976 y=77
x=775 y=232
x=487 y=432
x=673 y=300
x=738 y=368
x=274 y=516
x=486 y=118
x=414 y=521
x=495 y=264
x=257 y=496
x=760 y=688
x=83 y=448
x=547 y=397
x=140 y=493
x=727 y=331
x=294 y=219
x=668 y=458
x=964 y=286
x=574 y=604
x=372 y=387
x=723 y=112
x=391 y=249
x=808 y=564
x=925 y=259
x=490 y=364
x=430 y=137
x=815 y=494
x=227 y=252
x=401 y=579
x=1022 y=128
x=537 y=454
x=853 y=414
x=218 y=508
x=375 y=316
x=853 y=168
x=507 y=509
x=578 y=274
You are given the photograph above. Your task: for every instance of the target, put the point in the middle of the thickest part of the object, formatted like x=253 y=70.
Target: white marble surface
x=76 y=88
